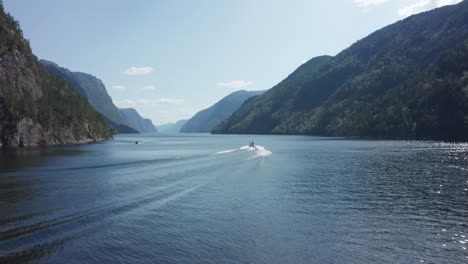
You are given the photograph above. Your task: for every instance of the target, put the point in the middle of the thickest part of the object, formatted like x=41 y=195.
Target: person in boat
x=251 y=144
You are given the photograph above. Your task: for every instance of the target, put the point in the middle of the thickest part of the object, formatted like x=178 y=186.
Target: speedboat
x=252 y=145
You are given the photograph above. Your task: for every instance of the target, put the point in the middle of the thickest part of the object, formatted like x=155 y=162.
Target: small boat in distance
x=252 y=145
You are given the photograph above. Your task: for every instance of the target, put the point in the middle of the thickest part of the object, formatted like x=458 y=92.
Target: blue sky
x=172 y=58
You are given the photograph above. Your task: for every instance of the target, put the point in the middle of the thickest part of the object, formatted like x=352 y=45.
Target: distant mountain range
x=94 y=90
x=133 y=118
x=171 y=127
x=407 y=80
x=38 y=108
x=205 y=120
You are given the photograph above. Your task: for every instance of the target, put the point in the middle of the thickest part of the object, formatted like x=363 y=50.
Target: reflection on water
x=206 y=199
x=20 y=159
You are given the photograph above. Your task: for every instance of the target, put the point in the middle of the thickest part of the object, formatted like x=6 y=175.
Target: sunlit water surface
x=209 y=199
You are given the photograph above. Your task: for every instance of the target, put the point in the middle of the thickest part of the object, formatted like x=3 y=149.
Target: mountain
x=37 y=108
x=94 y=90
x=205 y=120
x=407 y=80
x=137 y=122
x=171 y=127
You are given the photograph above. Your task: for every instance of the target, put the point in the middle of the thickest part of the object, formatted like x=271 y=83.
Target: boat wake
x=257 y=151
x=226 y=151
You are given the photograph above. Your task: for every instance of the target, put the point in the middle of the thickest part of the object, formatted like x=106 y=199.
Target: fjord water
x=203 y=199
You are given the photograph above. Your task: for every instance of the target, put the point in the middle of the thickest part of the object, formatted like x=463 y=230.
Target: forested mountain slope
x=205 y=120
x=407 y=80
x=37 y=108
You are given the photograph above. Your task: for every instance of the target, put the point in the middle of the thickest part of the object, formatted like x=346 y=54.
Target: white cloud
x=235 y=84
x=369 y=3
x=424 y=5
x=447 y=2
x=149 y=102
x=119 y=87
x=149 y=88
x=417 y=7
x=138 y=71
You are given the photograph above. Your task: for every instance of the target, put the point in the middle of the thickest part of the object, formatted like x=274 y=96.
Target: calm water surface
x=202 y=199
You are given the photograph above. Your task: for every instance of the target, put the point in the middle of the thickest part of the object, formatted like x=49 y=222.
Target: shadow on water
x=14 y=187
x=15 y=164
x=27 y=158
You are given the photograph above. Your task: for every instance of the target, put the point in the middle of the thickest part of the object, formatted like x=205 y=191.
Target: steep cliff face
x=136 y=121
x=95 y=91
x=37 y=108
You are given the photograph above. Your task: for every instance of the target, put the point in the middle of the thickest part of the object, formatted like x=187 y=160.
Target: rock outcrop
x=37 y=108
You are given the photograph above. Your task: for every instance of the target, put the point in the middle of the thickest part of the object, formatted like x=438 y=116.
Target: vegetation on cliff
x=94 y=90
x=205 y=120
x=37 y=108
x=407 y=80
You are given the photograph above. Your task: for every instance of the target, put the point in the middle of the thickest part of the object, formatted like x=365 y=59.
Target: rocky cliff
x=37 y=108
x=136 y=121
x=94 y=90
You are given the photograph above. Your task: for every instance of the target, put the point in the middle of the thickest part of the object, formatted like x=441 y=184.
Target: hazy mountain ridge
x=37 y=108
x=354 y=93
x=205 y=120
x=171 y=127
x=94 y=90
x=136 y=121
